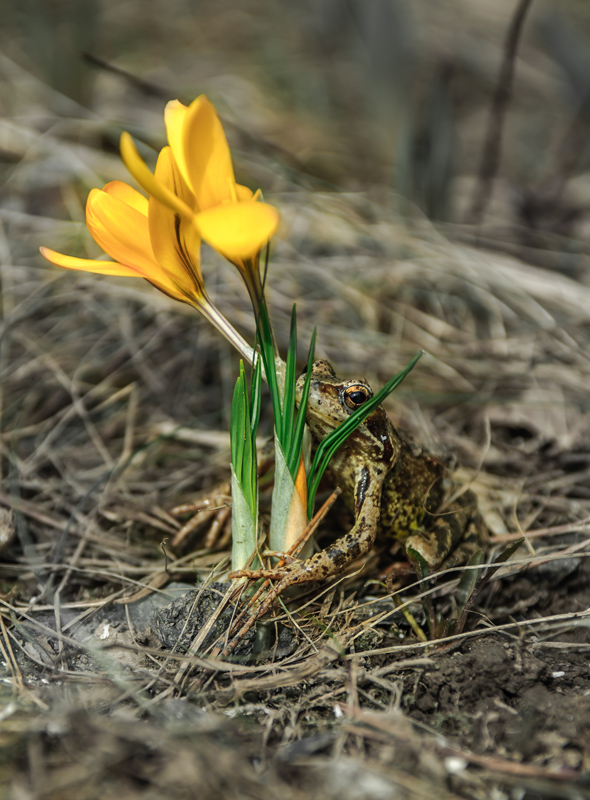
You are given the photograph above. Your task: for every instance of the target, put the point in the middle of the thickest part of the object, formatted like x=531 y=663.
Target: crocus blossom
x=229 y=216
x=150 y=239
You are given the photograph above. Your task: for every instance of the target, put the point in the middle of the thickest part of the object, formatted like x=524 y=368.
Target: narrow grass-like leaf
x=507 y=553
x=422 y=571
x=267 y=354
x=246 y=460
x=418 y=562
x=289 y=426
x=254 y=417
x=331 y=443
x=234 y=424
x=243 y=427
x=288 y=415
x=483 y=582
x=469 y=580
x=237 y=422
x=300 y=422
x=255 y=398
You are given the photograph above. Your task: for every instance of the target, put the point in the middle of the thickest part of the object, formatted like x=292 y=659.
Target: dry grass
x=114 y=409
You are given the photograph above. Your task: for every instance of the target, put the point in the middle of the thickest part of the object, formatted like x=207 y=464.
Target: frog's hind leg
x=453 y=535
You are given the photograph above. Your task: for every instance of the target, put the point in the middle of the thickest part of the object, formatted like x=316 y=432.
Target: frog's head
x=332 y=400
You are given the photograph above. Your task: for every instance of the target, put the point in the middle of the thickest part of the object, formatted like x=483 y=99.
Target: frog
x=392 y=488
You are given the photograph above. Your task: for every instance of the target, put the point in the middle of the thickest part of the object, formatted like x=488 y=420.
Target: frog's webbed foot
x=453 y=536
x=284 y=576
x=292 y=571
x=268 y=573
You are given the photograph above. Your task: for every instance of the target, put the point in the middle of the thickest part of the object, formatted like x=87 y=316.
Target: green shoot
x=245 y=413
x=477 y=559
x=267 y=355
x=289 y=424
x=468 y=582
x=289 y=506
x=288 y=514
x=298 y=429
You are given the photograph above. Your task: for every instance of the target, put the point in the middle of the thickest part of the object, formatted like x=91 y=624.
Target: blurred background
x=364 y=122
x=381 y=96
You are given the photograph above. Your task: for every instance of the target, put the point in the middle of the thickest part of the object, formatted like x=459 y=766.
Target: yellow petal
x=108 y=268
x=88 y=264
x=243 y=193
x=128 y=195
x=207 y=156
x=174 y=117
x=121 y=231
x=176 y=241
x=138 y=168
x=301 y=482
x=238 y=230
x=170 y=178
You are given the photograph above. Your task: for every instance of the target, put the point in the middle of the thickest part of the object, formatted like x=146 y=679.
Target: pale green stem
x=216 y=318
x=249 y=269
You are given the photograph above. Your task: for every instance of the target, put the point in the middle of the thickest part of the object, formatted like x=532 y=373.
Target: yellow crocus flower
x=150 y=239
x=229 y=216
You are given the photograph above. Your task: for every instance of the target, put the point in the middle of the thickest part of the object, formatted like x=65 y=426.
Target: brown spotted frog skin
x=390 y=486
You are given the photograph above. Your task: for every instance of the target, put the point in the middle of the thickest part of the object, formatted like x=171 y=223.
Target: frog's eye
x=356 y=395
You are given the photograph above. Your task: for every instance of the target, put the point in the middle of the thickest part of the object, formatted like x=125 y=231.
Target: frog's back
x=412 y=490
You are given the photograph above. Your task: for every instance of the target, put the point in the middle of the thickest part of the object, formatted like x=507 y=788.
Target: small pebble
x=454 y=764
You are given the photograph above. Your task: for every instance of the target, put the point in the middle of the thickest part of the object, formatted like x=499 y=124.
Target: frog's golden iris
x=355 y=396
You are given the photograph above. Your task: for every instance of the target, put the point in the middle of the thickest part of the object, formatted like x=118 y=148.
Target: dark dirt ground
x=114 y=405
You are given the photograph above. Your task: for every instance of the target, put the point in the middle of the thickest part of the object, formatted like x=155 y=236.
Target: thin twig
x=490 y=157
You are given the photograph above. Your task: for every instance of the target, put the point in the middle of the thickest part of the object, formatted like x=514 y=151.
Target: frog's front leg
x=356 y=543
x=453 y=535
